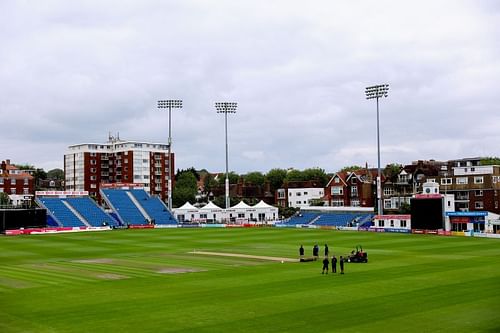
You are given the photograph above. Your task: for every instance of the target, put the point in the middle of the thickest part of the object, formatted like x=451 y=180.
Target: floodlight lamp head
x=226 y=107
x=170 y=103
x=377 y=91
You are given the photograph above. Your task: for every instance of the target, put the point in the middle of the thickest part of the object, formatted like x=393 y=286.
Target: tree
x=57 y=174
x=233 y=178
x=185 y=188
x=190 y=170
x=209 y=183
x=294 y=175
x=405 y=208
x=287 y=212
x=4 y=199
x=351 y=168
x=255 y=178
x=391 y=171
x=317 y=202
x=490 y=161
x=316 y=174
x=25 y=167
x=276 y=177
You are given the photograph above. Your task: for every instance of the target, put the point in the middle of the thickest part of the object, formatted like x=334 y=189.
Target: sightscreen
x=427 y=214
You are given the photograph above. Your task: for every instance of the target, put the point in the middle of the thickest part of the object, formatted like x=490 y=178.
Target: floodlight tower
x=170 y=104
x=226 y=107
x=377 y=92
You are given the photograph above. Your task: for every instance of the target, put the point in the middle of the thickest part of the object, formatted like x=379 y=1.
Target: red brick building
x=352 y=189
x=15 y=181
x=87 y=166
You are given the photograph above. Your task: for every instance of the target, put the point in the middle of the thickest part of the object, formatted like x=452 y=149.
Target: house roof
x=342 y=176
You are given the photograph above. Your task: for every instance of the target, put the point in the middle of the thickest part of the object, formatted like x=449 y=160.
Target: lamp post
x=377 y=92
x=169 y=104
x=226 y=107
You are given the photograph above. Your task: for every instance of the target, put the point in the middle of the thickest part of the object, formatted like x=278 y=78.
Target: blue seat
x=60 y=212
x=92 y=213
x=154 y=207
x=124 y=207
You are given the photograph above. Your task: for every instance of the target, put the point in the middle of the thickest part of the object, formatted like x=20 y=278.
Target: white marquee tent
x=240 y=213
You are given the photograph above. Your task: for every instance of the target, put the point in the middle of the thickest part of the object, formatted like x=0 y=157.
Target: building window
x=336 y=180
x=479 y=205
x=299 y=194
x=26 y=191
x=403 y=223
x=93 y=162
x=337 y=190
x=388 y=191
x=26 y=181
x=12 y=191
x=479 y=193
x=1 y=181
x=93 y=170
x=446 y=181
x=392 y=223
x=338 y=203
x=431 y=180
x=93 y=185
x=462 y=180
x=381 y=223
x=478 y=180
x=305 y=193
x=354 y=191
x=354 y=180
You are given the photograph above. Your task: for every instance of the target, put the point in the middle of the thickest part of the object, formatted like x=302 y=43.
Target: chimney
x=3 y=167
x=7 y=162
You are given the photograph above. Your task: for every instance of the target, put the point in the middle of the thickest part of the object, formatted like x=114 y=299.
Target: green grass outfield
x=147 y=281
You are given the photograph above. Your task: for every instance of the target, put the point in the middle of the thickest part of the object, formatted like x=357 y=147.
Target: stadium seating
x=365 y=221
x=94 y=215
x=153 y=207
x=60 y=212
x=302 y=218
x=124 y=207
x=335 y=219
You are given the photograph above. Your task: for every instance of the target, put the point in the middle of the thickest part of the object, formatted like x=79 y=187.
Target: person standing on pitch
x=315 y=251
x=334 y=264
x=326 y=262
x=326 y=250
x=341 y=262
x=301 y=252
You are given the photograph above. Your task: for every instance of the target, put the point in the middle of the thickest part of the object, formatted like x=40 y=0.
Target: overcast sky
x=73 y=71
